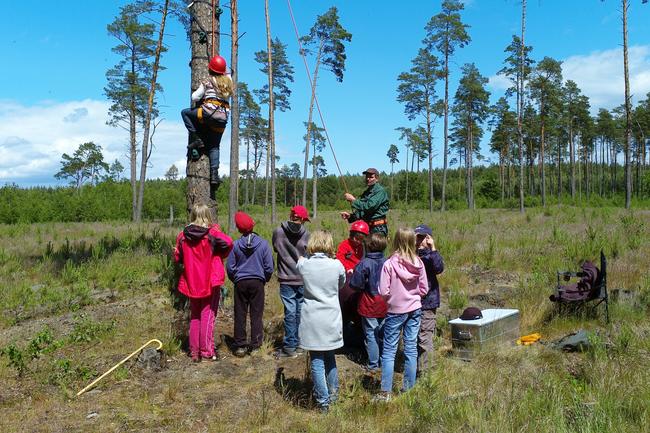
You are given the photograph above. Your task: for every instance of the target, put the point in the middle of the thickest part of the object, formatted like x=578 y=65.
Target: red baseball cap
x=300 y=212
x=244 y=222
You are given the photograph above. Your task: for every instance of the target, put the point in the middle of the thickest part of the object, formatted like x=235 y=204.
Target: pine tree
x=392 y=153
x=545 y=88
x=416 y=90
x=471 y=109
x=326 y=40
x=446 y=33
x=276 y=93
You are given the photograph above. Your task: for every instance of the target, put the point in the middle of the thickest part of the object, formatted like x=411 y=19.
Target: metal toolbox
x=498 y=327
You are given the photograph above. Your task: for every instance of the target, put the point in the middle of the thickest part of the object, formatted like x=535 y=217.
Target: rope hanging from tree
x=311 y=84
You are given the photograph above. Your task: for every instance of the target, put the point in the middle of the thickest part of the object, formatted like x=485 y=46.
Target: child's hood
x=195 y=233
x=247 y=244
x=405 y=270
x=293 y=230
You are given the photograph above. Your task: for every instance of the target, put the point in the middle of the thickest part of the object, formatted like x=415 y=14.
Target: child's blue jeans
x=409 y=324
x=325 y=376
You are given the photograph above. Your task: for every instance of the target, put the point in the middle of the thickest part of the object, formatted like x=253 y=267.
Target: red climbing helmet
x=360 y=226
x=218 y=65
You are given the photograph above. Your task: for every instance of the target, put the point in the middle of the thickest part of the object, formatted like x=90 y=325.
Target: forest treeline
x=110 y=200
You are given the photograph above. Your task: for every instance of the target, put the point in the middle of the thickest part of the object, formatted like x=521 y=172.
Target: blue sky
x=56 y=54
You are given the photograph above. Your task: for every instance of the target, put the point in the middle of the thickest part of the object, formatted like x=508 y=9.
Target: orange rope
x=311 y=84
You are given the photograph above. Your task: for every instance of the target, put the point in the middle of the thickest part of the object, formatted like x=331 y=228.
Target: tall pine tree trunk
x=430 y=149
x=446 y=134
x=271 y=109
x=541 y=163
x=233 y=200
x=198 y=172
x=314 y=184
x=628 y=114
x=520 y=107
x=146 y=133
x=309 y=122
x=572 y=161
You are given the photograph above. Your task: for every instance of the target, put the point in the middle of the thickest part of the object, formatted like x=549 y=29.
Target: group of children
x=359 y=290
x=323 y=290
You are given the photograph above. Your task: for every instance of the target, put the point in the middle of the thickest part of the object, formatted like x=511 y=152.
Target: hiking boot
x=287 y=352
x=240 y=352
x=196 y=143
x=382 y=397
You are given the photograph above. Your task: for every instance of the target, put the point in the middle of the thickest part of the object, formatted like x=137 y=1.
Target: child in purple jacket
x=250 y=266
x=433 y=265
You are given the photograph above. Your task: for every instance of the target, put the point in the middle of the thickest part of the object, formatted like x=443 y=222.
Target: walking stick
x=120 y=363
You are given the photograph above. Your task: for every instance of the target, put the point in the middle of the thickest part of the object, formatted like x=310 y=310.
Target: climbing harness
x=311 y=84
x=160 y=345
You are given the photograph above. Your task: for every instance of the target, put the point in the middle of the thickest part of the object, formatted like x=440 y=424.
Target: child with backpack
x=402 y=284
x=371 y=306
x=434 y=266
x=207 y=122
x=250 y=266
x=321 y=324
x=201 y=248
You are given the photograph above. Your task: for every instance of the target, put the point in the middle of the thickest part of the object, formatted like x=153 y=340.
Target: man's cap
x=423 y=229
x=300 y=212
x=244 y=222
x=471 y=313
x=371 y=171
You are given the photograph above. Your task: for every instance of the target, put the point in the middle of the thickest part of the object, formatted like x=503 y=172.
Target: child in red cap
x=250 y=267
x=290 y=243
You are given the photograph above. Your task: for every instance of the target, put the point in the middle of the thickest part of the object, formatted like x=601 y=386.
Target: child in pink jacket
x=402 y=284
x=201 y=247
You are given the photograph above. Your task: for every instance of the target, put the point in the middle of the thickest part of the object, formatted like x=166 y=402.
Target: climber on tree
x=207 y=121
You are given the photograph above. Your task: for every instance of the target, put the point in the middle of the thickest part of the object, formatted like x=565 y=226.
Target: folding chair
x=590 y=288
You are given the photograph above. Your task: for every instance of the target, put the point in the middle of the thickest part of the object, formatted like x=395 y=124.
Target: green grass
x=77 y=298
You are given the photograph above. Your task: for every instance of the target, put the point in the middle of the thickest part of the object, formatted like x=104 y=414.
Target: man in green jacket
x=372 y=206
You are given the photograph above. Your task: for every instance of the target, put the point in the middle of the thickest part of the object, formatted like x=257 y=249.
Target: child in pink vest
x=201 y=247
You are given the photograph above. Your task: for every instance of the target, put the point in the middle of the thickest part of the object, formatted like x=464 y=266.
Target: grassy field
x=76 y=298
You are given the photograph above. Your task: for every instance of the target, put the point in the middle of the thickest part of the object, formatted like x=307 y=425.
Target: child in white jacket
x=321 y=324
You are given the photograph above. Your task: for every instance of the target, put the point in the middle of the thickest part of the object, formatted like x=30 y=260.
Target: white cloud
x=600 y=75
x=33 y=138
x=499 y=82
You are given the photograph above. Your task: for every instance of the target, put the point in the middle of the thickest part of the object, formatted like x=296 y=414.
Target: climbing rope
x=213 y=17
x=311 y=84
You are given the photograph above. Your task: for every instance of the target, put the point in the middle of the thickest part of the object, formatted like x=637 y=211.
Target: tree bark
x=233 y=200
x=198 y=172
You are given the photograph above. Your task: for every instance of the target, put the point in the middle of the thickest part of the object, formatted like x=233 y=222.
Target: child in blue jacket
x=371 y=307
x=433 y=265
x=250 y=266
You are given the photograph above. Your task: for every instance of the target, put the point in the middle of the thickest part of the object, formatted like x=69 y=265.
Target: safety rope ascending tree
x=311 y=84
